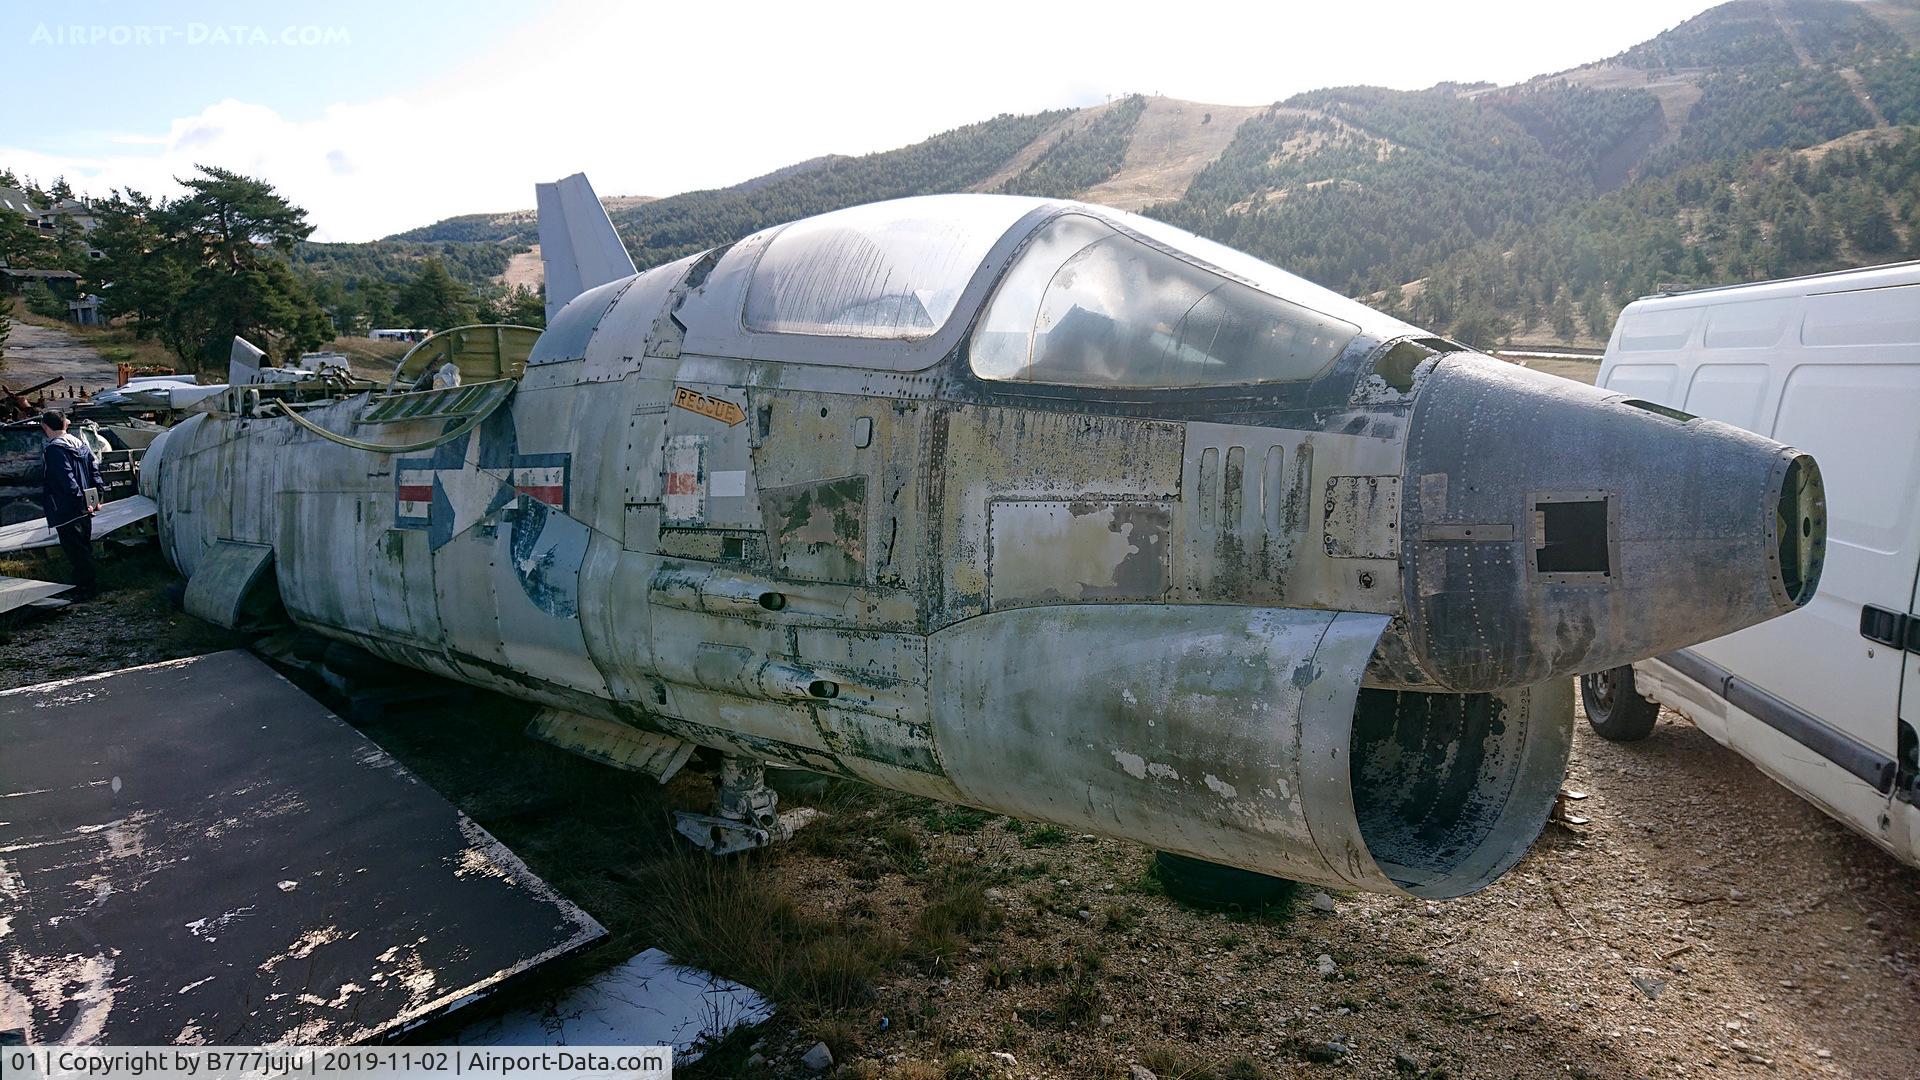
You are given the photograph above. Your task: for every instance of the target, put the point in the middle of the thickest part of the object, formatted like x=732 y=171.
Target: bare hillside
x=1172 y=142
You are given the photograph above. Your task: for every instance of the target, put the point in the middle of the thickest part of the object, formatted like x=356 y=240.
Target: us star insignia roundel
x=444 y=493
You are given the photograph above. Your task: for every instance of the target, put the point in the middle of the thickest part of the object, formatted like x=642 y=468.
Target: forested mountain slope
x=1761 y=138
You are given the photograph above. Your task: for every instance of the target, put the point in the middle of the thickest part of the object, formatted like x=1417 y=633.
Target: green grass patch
x=1045 y=836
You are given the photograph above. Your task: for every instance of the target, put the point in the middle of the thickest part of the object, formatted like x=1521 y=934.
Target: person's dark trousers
x=76 y=539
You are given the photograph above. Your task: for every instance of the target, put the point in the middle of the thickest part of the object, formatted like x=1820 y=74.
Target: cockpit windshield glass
x=892 y=270
x=1088 y=305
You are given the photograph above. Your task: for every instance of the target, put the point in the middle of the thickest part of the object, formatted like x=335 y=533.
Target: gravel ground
x=1705 y=922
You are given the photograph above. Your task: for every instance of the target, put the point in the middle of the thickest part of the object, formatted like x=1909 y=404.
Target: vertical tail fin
x=243 y=362
x=578 y=246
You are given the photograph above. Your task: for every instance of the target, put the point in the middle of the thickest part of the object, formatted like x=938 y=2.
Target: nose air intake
x=1800 y=523
x=1557 y=529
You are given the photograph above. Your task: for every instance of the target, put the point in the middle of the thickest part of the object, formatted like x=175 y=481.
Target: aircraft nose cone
x=1556 y=529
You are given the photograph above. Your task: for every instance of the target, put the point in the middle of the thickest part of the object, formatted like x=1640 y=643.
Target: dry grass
x=740 y=918
x=368 y=358
x=1172 y=1062
x=135 y=620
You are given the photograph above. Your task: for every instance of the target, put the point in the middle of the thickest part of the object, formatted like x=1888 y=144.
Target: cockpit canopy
x=892 y=270
x=1051 y=292
x=1086 y=304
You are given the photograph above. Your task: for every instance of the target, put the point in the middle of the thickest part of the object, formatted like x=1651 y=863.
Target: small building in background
x=16 y=200
x=64 y=283
x=47 y=219
x=85 y=311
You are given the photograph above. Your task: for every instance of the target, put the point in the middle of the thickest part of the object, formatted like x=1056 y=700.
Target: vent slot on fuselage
x=1571 y=536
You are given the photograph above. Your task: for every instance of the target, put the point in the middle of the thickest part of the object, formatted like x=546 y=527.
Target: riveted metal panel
x=463 y=576
x=861 y=736
x=612 y=743
x=819 y=529
x=614 y=349
x=1480 y=615
x=400 y=581
x=537 y=595
x=977 y=455
x=1251 y=525
x=218 y=589
x=879 y=674
x=801 y=439
x=1176 y=726
x=1056 y=551
x=1362 y=517
x=684 y=482
x=316 y=557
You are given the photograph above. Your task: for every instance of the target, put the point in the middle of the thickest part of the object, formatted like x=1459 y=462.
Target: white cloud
x=657 y=99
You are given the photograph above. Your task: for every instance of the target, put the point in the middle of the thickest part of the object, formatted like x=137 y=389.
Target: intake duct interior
x=1450 y=790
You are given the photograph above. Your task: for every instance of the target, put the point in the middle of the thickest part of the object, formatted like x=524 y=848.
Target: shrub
x=41 y=301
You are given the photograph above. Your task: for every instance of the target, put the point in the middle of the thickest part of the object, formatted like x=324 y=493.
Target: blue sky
x=379 y=116
x=108 y=89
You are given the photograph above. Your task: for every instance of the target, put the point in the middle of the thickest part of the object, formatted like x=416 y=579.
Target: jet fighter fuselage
x=1029 y=505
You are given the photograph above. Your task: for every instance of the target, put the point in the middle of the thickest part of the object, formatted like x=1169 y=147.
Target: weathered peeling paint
x=1052 y=552
x=819 y=529
x=797 y=569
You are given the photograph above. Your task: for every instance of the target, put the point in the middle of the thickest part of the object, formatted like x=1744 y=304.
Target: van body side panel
x=1830 y=365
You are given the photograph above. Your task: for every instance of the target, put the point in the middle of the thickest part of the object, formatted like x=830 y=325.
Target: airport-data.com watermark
x=195 y=34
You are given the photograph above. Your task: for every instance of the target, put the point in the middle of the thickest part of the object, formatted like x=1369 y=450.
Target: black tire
x=1615 y=708
x=1210 y=885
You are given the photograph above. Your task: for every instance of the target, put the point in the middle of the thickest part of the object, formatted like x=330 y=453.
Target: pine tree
x=1560 y=314
x=433 y=300
x=211 y=265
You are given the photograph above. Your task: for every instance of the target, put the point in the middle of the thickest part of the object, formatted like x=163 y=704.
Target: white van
x=1826 y=700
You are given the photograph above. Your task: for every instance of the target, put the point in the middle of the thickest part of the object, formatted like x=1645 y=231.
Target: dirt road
x=35 y=353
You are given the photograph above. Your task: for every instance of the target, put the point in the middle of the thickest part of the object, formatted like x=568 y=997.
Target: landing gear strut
x=745 y=814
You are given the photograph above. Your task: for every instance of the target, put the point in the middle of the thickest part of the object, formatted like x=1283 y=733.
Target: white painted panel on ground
x=19 y=592
x=649 y=1000
x=38 y=534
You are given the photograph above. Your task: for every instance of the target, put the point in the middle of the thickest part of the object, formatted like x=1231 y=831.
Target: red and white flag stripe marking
x=548 y=483
x=415 y=492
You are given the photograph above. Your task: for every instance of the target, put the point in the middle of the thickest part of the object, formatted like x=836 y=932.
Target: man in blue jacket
x=71 y=469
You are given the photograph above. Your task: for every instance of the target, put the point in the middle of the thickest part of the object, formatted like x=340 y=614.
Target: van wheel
x=1210 y=885
x=1615 y=709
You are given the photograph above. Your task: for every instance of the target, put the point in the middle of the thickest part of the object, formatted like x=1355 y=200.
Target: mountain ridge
x=1673 y=147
